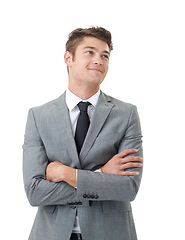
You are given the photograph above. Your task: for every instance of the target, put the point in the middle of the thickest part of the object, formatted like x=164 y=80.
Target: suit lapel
x=102 y=110
x=61 y=114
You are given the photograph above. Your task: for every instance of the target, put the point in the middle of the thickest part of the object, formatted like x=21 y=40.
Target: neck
x=83 y=92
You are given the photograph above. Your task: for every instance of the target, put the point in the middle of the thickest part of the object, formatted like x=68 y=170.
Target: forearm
x=39 y=190
x=122 y=186
x=43 y=192
x=105 y=186
x=120 y=165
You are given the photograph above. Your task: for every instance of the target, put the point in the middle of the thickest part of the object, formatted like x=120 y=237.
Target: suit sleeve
x=102 y=187
x=39 y=190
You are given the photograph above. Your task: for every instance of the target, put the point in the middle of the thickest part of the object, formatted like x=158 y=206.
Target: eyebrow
x=96 y=49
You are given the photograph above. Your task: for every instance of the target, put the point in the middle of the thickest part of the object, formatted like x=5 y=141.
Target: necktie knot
x=83 y=106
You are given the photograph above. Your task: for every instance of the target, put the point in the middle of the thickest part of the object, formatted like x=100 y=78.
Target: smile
x=95 y=69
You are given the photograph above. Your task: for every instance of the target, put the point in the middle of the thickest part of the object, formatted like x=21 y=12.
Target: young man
x=83 y=152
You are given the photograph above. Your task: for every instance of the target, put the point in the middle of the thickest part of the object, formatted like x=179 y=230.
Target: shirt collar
x=72 y=100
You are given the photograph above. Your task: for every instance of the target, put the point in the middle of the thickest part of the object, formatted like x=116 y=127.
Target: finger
x=131 y=165
x=127 y=152
x=127 y=173
x=131 y=159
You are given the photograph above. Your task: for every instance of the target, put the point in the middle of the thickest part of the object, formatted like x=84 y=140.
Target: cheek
x=106 y=67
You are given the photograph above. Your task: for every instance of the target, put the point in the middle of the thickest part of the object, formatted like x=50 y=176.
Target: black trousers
x=76 y=236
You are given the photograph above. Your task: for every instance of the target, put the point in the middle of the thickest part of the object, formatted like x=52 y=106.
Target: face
x=90 y=64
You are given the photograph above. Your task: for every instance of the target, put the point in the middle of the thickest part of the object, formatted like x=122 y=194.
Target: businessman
x=82 y=153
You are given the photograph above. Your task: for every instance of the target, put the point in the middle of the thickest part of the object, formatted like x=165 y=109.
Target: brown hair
x=76 y=37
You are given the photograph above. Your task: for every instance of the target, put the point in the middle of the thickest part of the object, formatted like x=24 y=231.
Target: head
x=87 y=56
x=77 y=36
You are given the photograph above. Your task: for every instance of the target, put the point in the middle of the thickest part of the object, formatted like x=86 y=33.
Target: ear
x=68 y=58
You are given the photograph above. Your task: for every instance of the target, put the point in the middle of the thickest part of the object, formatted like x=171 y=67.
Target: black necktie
x=82 y=125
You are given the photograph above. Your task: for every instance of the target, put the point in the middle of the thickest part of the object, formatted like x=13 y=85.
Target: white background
x=147 y=68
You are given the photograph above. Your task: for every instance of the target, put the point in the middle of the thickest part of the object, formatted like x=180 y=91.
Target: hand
x=120 y=162
x=57 y=172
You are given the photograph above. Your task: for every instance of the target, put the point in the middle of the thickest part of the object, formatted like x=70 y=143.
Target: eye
x=89 y=52
x=105 y=56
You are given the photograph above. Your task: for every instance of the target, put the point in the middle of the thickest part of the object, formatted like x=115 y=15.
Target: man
x=83 y=152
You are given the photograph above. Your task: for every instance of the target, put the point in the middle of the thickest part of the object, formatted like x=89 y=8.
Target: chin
x=94 y=80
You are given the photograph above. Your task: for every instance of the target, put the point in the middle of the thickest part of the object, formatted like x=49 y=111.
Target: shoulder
x=123 y=110
x=118 y=104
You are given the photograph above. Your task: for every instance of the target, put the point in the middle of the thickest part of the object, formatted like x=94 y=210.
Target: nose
x=98 y=60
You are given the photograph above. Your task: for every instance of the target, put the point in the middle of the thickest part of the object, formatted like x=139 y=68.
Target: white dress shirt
x=72 y=100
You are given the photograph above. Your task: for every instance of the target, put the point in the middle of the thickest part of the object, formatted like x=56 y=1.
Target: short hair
x=76 y=37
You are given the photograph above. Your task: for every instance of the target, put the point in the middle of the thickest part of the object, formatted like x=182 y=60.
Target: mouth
x=95 y=69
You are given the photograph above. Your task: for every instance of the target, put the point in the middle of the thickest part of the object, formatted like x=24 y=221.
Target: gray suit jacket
x=102 y=200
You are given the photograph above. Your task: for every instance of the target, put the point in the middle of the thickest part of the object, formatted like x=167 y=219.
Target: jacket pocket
x=115 y=207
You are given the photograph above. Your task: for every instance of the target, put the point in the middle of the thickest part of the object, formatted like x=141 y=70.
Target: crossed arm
x=57 y=172
x=51 y=184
